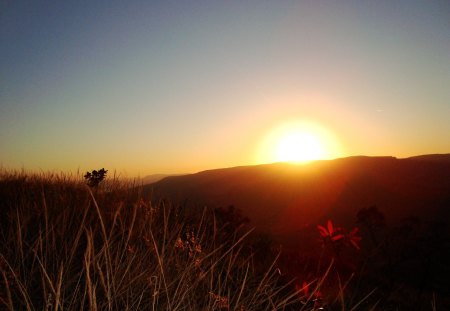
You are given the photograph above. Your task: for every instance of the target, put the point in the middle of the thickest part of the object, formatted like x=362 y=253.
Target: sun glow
x=299 y=147
x=298 y=142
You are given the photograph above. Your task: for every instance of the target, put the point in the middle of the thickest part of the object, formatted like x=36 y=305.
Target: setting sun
x=299 y=147
x=298 y=142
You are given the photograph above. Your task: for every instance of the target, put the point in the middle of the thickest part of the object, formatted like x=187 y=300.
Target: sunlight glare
x=298 y=142
x=298 y=147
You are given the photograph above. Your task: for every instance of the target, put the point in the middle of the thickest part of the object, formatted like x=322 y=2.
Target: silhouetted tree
x=230 y=218
x=372 y=219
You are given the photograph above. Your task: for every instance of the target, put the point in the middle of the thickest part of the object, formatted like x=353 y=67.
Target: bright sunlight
x=298 y=142
x=299 y=147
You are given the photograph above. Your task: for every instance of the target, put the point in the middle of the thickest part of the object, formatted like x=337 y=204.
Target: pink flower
x=335 y=234
x=354 y=239
x=304 y=288
x=306 y=291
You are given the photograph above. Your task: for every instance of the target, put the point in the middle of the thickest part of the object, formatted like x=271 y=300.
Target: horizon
x=173 y=88
x=160 y=175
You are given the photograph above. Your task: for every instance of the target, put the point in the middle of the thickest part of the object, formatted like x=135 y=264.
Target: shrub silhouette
x=372 y=219
x=95 y=177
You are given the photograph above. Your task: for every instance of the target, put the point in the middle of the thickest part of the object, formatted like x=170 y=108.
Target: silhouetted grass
x=66 y=246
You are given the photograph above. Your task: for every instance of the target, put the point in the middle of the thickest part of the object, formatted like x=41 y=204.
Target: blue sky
x=179 y=86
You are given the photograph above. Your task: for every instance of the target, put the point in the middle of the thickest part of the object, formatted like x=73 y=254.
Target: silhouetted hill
x=149 y=179
x=444 y=158
x=283 y=198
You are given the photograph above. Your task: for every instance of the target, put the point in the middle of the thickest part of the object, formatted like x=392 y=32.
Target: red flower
x=306 y=292
x=330 y=232
x=354 y=239
x=304 y=288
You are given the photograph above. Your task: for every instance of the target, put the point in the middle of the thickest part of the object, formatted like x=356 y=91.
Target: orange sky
x=163 y=87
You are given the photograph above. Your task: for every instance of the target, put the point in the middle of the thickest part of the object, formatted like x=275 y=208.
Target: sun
x=299 y=147
x=298 y=142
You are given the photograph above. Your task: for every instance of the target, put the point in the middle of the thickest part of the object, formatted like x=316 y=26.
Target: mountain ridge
x=281 y=197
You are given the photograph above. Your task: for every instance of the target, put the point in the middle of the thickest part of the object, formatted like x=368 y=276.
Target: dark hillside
x=400 y=209
x=281 y=197
x=439 y=157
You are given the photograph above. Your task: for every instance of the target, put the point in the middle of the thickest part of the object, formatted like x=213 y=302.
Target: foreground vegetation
x=73 y=244
x=65 y=246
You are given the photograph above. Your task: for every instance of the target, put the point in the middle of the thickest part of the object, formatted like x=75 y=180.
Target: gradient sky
x=145 y=87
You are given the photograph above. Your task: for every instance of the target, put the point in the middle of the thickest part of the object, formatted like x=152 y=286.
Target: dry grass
x=67 y=247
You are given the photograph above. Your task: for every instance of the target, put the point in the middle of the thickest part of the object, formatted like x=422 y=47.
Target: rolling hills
x=282 y=198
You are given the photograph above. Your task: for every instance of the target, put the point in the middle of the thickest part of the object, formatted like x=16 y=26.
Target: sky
x=143 y=87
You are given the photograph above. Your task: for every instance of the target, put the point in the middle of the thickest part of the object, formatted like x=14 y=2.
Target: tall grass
x=64 y=246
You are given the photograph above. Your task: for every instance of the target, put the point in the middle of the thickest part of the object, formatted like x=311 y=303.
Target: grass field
x=67 y=246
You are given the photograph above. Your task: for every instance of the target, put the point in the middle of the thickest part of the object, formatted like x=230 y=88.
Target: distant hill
x=282 y=198
x=444 y=158
x=149 y=179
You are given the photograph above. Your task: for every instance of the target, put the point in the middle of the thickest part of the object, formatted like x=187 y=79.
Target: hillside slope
x=281 y=198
